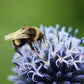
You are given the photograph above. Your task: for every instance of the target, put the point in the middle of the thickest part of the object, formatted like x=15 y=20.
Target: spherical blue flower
x=59 y=60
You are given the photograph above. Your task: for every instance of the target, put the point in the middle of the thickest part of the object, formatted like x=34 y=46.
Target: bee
x=24 y=35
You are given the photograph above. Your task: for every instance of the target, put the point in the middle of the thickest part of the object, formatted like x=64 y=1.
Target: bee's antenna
x=19 y=52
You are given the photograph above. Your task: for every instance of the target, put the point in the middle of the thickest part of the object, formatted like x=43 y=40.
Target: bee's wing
x=20 y=34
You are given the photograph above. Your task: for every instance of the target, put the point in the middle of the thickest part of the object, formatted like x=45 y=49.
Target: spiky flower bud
x=60 y=59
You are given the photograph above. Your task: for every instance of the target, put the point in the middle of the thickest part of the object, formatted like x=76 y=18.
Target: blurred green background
x=17 y=13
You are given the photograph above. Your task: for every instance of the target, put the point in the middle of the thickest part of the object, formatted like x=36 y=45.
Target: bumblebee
x=24 y=35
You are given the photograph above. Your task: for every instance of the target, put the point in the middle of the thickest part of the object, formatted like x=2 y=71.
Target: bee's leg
x=34 y=48
x=41 y=37
x=30 y=44
x=15 y=47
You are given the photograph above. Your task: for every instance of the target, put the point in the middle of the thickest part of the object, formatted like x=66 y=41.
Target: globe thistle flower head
x=58 y=60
